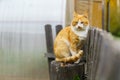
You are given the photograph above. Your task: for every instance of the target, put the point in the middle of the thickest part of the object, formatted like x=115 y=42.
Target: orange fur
x=70 y=39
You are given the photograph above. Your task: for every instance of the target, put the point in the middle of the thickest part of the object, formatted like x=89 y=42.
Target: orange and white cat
x=68 y=43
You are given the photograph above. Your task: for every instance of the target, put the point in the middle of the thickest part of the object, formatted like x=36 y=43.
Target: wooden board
x=68 y=72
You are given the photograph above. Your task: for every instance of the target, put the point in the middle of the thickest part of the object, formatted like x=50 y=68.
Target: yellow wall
x=96 y=14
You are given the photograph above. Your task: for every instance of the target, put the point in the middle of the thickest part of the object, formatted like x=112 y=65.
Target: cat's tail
x=71 y=58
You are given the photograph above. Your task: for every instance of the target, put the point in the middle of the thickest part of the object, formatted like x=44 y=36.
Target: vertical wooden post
x=49 y=43
x=68 y=72
x=58 y=28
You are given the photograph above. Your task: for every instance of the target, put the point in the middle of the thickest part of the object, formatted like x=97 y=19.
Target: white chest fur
x=81 y=34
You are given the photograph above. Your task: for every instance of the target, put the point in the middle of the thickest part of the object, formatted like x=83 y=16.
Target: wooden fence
x=49 y=42
x=102 y=56
x=101 y=51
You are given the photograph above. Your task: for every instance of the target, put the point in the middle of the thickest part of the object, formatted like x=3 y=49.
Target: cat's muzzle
x=80 y=28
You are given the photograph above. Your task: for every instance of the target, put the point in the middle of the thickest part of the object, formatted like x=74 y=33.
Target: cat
x=69 y=40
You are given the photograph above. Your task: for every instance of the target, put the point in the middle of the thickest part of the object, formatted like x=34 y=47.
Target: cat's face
x=79 y=22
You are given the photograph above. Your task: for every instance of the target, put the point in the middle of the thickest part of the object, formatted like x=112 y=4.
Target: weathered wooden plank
x=115 y=69
x=105 y=62
x=92 y=52
x=85 y=49
x=97 y=53
x=101 y=57
x=49 y=38
x=49 y=55
x=88 y=61
x=68 y=72
x=86 y=52
x=58 y=28
x=49 y=43
x=112 y=65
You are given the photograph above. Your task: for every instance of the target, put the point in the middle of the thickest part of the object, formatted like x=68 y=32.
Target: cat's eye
x=76 y=22
x=82 y=22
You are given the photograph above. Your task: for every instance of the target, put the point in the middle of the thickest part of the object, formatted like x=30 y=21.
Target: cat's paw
x=62 y=64
x=77 y=61
x=80 y=52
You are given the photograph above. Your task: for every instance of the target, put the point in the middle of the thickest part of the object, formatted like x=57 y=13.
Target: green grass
x=76 y=77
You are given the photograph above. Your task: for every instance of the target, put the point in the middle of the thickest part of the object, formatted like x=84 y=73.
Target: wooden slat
x=49 y=38
x=106 y=58
x=49 y=55
x=89 y=54
x=96 y=53
x=91 y=51
x=49 y=44
x=58 y=28
x=115 y=69
x=86 y=52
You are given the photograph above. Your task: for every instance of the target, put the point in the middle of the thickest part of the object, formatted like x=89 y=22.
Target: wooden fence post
x=58 y=28
x=96 y=51
x=49 y=44
x=68 y=72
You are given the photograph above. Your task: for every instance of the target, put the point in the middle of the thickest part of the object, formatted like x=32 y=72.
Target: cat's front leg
x=73 y=51
x=73 y=48
x=80 y=52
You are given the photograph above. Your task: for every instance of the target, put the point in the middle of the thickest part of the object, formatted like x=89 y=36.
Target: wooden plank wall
x=96 y=14
x=81 y=6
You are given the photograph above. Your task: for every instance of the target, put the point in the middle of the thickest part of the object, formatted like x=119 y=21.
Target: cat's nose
x=79 y=27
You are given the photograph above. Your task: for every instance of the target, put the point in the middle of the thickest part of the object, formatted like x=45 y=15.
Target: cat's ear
x=85 y=15
x=75 y=14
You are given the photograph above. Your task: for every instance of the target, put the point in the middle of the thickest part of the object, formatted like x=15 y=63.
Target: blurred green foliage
x=76 y=77
x=115 y=17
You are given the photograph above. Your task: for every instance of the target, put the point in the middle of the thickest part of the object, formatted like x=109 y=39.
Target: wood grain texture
x=58 y=28
x=68 y=72
x=102 y=56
